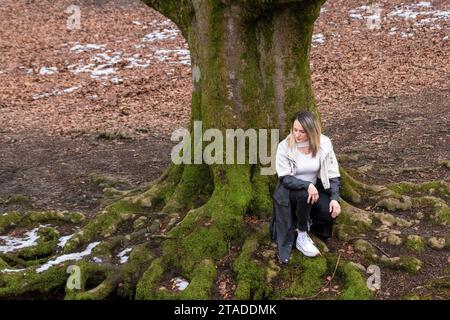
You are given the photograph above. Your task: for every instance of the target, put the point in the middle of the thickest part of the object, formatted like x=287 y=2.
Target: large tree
x=250 y=65
x=250 y=62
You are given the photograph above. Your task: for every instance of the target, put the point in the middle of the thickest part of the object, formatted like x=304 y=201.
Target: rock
x=403 y=223
x=154 y=228
x=436 y=243
x=415 y=243
x=386 y=219
x=393 y=204
x=140 y=222
x=410 y=264
x=364 y=168
x=405 y=263
x=362 y=245
x=268 y=254
x=272 y=271
x=394 y=240
x=419 y=215
x=171 y=223
x=358 y=266
x=385 y=259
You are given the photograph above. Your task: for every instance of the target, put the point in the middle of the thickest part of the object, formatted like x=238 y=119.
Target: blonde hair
x=312 y=129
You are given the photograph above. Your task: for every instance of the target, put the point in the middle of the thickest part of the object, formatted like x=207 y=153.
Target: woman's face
x=299 y=133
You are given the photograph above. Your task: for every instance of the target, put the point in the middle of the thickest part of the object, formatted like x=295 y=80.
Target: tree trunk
x=250 y=66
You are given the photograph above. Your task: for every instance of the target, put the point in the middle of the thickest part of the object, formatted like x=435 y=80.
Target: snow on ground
x=422 y=13
x=63 y=240
x=318 y=39
x=55 y=93
x=48 y=71
x=68 y=257
x=123 y=255
x=11 y=244
x=179 y=284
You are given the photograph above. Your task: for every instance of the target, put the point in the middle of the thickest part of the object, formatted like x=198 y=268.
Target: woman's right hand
x=313 y=194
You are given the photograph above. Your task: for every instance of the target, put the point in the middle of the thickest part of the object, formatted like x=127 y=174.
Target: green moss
x=104 y=224
x=13 y=285
x=441 y=212
x=355 y=287
x=195 y=181
x=447 y=242
x=201 y=282
x=349 y=186
x=100 y=277
x=35 y=217
x=160 y=189
x=16 y=199
x=202 y=243
x=46 y=245
x=439 y=188
x=105 y=248
x=251 y=273
x=405 y=263
x=304 y=276
x=351 y=222
x=395 y=203
x=261 y=204
x=232 y=196
x=9 y=219
x=3 y=264
x=146 y=287
x=415 y=243
x=139 y=260
x=366 y=249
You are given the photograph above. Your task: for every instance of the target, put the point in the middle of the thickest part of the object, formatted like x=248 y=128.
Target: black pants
x=312 y=217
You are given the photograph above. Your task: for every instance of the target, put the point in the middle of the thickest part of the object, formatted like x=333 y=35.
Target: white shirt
x=308 y=166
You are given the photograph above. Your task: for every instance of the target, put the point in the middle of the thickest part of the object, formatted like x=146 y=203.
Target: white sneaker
x=305 y=244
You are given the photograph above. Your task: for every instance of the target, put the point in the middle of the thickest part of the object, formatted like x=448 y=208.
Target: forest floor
x=105 y=99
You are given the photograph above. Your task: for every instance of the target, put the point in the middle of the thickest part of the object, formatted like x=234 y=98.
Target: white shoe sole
x=308 y=253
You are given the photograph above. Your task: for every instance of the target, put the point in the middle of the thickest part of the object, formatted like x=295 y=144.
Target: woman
x=307 y=194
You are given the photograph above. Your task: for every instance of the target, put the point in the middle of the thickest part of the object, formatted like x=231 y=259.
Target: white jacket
x=329 y=168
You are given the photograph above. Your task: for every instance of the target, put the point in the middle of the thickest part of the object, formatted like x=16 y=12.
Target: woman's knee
x=300 y=195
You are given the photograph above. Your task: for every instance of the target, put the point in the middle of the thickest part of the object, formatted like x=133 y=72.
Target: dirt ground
x=110 y=108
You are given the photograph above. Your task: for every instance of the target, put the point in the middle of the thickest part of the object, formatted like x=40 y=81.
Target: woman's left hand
x=335 y=208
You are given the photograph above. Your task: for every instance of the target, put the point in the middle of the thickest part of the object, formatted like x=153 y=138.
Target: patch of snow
x=100 y=71
x=55 y=93
x=406 y=35
x=179 y=283
x=123 y=255
x=12 y=270
x=97 y=260
x=71 y=89
x=356 y=16
x=78 y=48
x=63 y=240
x=68 y=257
x=181 y=55
x=411 y=11
x=13 y=243
x=44 y=71
x=116 y=80
x=137 y=63
x=165 y=34
x=318 y=38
